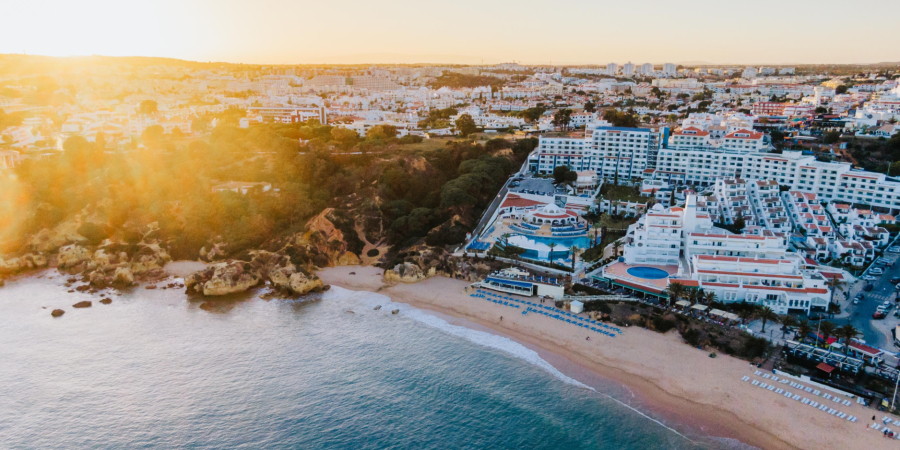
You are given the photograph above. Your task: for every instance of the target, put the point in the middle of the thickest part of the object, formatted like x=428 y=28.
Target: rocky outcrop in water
x=237 y=276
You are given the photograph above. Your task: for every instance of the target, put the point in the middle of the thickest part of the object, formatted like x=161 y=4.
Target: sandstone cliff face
x=28 y=261
x=49 y=240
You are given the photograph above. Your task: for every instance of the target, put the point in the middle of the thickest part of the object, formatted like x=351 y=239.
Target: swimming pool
x=649 y=273
x=538 y=247
x=582 y=242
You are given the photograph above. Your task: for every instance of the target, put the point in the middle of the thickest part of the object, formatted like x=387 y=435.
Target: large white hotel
x=691 y=156
x=755 y=267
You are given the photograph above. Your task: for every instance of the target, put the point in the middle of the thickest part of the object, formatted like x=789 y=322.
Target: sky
x=459 y=31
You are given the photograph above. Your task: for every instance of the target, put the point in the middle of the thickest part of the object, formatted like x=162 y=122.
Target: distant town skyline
x=462 y=32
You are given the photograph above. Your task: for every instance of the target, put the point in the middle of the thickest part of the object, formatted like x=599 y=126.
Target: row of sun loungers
x=799 y=398
x=884 y=429
x=548 y=311
x=563 y=318
x=810 y=390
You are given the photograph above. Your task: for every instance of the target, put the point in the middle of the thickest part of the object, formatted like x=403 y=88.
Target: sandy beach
x=670 y=376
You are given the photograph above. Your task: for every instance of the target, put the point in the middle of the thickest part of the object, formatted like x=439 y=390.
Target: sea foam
x=482 y=338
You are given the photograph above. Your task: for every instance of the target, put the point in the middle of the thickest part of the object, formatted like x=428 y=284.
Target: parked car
x=895 y=280
x=894 y=250
x=855 y=301
x=878 y=315
x=868 y=288
x=886 y=304
x=868 y=278
x=876 y=271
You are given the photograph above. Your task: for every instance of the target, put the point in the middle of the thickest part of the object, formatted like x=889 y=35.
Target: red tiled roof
x=515 y=201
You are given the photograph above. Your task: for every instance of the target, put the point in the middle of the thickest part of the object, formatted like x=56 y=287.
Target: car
x=876 y=271
x=868 y=278
x=860 y=296
x=895 y=280
x=878 y=315
x=894 y=250
x=868 y=288
x=855 y=301
x=886 y=304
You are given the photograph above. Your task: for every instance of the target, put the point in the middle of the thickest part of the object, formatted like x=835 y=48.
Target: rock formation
x=238 y=276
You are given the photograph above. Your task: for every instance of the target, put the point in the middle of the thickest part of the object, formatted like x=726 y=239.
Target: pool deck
x=619 y=271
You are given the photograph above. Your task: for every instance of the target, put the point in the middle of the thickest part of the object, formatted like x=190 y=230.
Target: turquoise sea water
x=155 y=371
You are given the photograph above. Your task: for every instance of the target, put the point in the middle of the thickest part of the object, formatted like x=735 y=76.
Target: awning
x=716 y=312
x=700 y=307
x=683 y=303
x=825 y=368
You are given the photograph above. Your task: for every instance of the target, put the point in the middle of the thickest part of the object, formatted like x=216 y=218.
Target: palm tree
x=836 y=285
x=787 y=322
x=848 y=332
x=574 y=250
x=803 y=329
x=826 y=330
x=766 y=314
x=694 y=296
x=675 y=291
x=616 y=246
x=709 y=298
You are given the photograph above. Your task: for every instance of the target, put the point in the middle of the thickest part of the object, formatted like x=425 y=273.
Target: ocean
x=155 y=370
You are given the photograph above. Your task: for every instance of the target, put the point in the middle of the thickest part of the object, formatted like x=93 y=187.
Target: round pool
x=650 y=273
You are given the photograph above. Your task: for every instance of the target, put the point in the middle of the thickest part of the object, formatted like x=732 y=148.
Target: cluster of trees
x=621 y=119
x=460 y=181
x=562 y=117
x=875 y=154
x=438 y=118
x=460 y=80
x=172 y=184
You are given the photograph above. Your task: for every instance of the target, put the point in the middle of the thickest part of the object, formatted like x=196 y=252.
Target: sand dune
x=673 y=378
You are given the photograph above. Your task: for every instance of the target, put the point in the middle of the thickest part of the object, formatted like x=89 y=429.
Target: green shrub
x=691 y=336
x=662 y=324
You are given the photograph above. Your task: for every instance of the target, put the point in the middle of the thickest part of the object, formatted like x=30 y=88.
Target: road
x=875 y=332
x=489 y=212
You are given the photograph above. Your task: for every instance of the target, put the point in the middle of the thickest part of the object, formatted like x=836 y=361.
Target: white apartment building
x=605 y=150
x=628 y=69
x=807 y=214
x=756 y=268
x=645 y=69
x=612 y=69
x=749 y=72
x=669 y=69
x=768 y=207
x=741 y=154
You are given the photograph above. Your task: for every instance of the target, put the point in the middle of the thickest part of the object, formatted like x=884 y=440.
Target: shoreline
x=671 y=378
